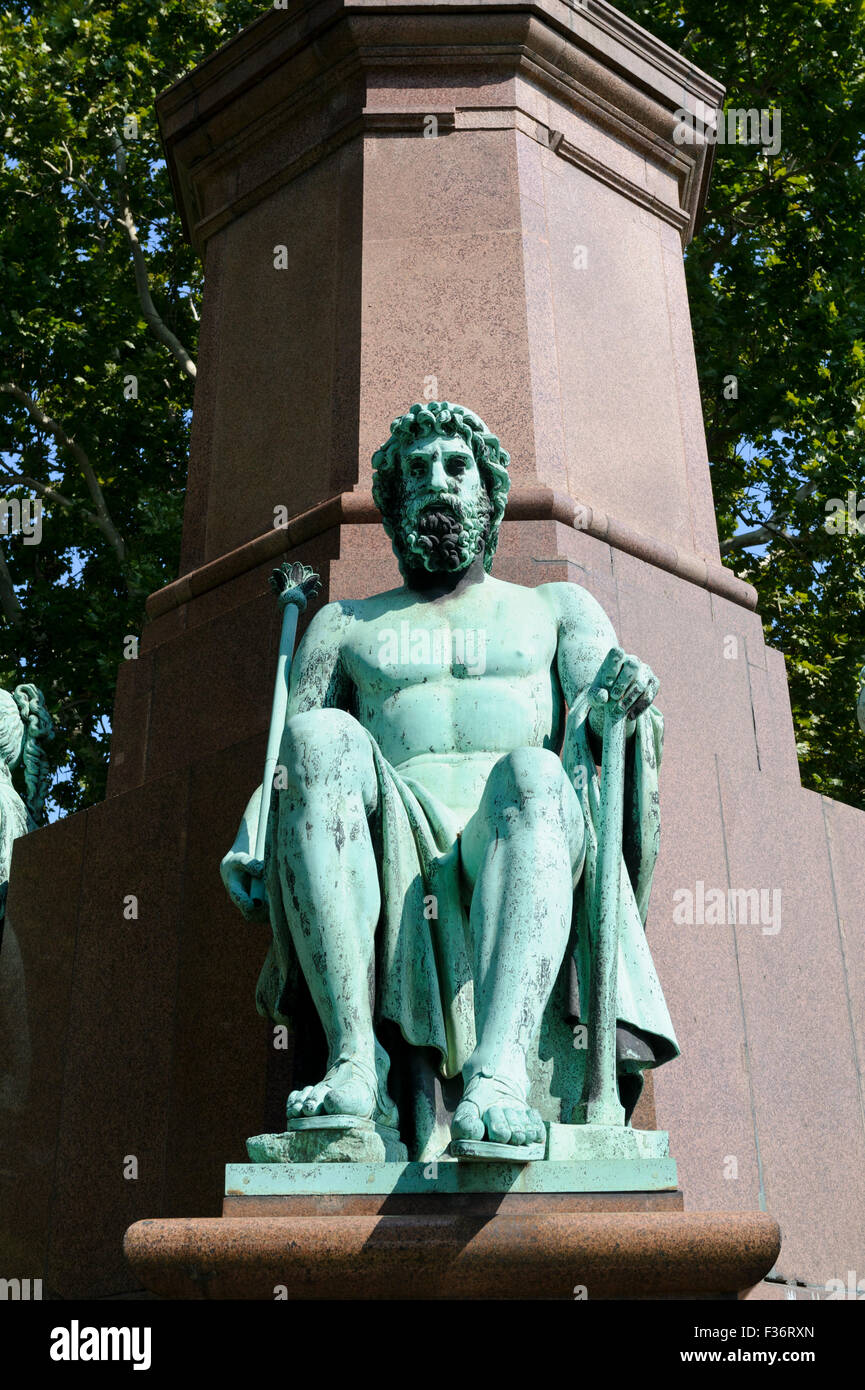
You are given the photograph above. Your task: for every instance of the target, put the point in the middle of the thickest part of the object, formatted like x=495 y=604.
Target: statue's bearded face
x=444 y=512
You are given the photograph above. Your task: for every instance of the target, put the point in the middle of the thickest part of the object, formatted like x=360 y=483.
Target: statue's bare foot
x=349 y=1087
x=495 y=1109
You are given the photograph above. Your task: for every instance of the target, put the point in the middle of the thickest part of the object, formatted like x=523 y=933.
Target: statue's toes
x=498 y=1129
x=314 y=1100
x=350 y=1098
x=537 y=1126
x=467 y=1122
x=518 y=1121
x=294 y=1105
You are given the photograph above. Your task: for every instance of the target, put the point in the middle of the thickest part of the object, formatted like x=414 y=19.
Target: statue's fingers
x=253 y=909
x=647 y=677
x=636 y=690
x=646 y=699
x=610 y=666
x=242 y=901
x=631 y=692
x=497 y=1125
x=628 y=674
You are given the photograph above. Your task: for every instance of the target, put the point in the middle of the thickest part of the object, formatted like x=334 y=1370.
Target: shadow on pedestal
x=458 y=1245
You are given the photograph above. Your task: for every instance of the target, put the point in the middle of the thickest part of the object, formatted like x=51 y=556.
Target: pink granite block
x=219 y=1041
x=541 y=320
x=521 y=538
x=343 y=459
x=36 y=991
x=434 y=89
x=776 y=747
x=112 y=1143
x=807 y=1099
x=747 y=627
x=703 y=1098
x=704 y=531
x=614 y=356
x=366 y=564
x=530 y=169
x=274 y=376
x=202 y=441
x=129 y=724
x=409 y=285
x=229 y=694
x=547 y=552
x=782 y=714
x=845 y=829
x=450 y=185
x=162 y=629
x=705 y=697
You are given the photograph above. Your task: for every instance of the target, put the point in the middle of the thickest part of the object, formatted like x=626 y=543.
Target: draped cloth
x=423 y=957
x=641 y=1007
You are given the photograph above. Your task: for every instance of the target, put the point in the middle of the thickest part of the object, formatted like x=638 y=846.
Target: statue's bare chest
x=433 y=643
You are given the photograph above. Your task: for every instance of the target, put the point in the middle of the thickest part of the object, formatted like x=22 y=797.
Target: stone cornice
x=524 y=504
x=269 y=92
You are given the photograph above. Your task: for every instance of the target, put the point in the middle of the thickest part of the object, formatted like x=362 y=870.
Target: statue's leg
x=522 y=852
x=330 y=890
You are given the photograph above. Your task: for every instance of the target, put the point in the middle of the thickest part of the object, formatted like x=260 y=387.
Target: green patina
x=442 y=864
x=25 y=725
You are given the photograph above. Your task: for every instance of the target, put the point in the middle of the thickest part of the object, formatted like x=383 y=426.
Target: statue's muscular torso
x=518 y=655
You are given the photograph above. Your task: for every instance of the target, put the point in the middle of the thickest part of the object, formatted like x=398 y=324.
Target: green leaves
x=778 y=299
x=72 y=332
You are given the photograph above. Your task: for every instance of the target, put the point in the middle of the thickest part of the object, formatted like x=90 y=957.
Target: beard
x=438 y=533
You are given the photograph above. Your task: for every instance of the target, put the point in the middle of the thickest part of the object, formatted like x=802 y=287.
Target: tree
x=777 y=294
x=98 y=296
x=95 y=377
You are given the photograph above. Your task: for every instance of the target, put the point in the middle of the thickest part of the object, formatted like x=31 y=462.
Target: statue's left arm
x=589 y=659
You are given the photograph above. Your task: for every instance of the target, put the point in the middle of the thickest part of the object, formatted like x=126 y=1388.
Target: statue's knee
x=318 y=741
x=530 y=787
x=529 y=772
x=319 y=726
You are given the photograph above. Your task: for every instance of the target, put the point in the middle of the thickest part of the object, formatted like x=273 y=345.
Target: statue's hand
x=627 y=681
x=238 y=869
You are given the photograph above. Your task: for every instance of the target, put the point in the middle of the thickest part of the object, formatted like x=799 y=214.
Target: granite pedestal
x=447 y=1231
x=522 y=252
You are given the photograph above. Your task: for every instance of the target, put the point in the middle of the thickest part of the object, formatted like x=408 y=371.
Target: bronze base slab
x=522 y=1246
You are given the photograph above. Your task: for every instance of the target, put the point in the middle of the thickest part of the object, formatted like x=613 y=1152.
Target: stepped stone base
x=455 y=1246
x=334 y=1139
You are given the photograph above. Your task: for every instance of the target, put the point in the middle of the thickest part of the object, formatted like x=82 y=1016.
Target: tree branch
x=101 y=517
x=768 y=530
x=142 y=280
x=24 y=480
x=139 y=263
x=12 y=610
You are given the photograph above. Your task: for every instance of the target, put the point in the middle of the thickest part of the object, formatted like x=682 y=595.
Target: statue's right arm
x=239 y=866
x=318 y=676
x=318 y=681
